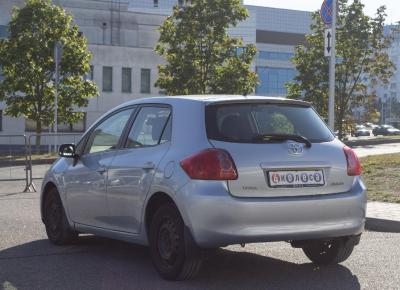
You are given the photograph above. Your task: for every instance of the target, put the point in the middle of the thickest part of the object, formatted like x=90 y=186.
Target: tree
x=362 y=63
x=201 y=57
x=27 y=62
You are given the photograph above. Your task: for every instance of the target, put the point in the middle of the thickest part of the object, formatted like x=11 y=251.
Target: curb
x=371 y=142
x=382 y=225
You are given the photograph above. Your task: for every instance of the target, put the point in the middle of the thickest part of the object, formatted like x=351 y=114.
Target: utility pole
x=57 y=60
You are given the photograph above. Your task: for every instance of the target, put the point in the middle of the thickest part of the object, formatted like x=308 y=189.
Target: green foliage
x=27 y=61
x=361 y=55
x=201 y=57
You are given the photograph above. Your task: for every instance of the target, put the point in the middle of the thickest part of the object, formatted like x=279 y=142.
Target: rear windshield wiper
x=282 y=137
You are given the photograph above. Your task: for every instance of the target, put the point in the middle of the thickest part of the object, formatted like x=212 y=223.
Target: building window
x=145 y=81
x=107 y=79
x=78 y=126
x=30 y=126
x=273 y=80
x=126 y=80
x=269 y=55
x=90 y=74
x=1 y=120
x=180 y=3
x=393 y=86
x=155 y=3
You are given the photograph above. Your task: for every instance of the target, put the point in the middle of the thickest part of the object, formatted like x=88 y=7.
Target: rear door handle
x=102 y=170
x=148 y=166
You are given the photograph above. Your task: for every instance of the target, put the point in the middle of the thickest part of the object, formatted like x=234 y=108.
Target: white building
x=122 y=36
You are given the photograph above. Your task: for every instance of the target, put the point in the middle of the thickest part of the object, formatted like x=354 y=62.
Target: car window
x=244 y=123
x=106 y=135
x=151 y=127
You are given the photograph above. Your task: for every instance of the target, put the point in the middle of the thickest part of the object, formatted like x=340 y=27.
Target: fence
x=23 y=159
x=14 y=161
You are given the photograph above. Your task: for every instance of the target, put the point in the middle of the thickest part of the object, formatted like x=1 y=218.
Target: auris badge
x=295 y=148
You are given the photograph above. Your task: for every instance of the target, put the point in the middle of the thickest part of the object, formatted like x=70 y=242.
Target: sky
x=393 y=6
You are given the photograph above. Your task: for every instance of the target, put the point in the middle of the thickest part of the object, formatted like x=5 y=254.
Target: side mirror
x=67 y=150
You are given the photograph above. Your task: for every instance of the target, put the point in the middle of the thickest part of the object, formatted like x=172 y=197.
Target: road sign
x=328 y=42
x=326 y=12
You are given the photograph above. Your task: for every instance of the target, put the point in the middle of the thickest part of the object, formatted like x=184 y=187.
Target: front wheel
x=329 y=252
x=56 y=223
x=170 y=253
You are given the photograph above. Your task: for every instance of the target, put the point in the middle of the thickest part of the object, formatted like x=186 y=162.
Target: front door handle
x=101 y=170
x=148 y=166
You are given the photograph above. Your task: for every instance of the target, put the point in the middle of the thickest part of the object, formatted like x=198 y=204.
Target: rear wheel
x=56 y=223
x=329 y=252
x=171 y=255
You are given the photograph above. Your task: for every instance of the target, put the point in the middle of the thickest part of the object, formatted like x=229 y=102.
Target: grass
x=381 y=174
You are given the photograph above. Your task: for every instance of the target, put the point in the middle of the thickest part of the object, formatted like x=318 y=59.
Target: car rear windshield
x=244 y=122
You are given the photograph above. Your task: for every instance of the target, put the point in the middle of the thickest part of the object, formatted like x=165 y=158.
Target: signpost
x=328 y=15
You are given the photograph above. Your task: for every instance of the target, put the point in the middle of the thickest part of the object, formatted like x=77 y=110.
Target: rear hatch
x=279 y=149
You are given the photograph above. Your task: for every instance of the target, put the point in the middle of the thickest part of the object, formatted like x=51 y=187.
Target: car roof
x=214 y=99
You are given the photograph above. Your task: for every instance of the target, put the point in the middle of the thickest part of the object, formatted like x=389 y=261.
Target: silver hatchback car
x=184 y=175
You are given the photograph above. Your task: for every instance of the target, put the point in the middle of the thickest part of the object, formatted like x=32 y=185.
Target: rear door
x=275 y=168
x=132 y=169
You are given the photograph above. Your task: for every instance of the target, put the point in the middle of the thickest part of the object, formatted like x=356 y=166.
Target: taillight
x=353 y=163
x=210 y=164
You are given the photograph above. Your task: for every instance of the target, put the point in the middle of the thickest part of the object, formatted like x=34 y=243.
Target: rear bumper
x=217 y=219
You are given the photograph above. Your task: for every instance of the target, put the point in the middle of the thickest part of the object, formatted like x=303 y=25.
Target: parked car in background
x=360 y=130
x=370 y=126
x=386 y=130
x=184 y=175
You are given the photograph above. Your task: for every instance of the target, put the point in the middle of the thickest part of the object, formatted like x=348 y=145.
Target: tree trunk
x=38 y=132
x=339 y=124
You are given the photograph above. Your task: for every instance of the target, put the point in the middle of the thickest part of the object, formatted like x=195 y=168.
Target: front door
x=133 y=167
x=86 y=179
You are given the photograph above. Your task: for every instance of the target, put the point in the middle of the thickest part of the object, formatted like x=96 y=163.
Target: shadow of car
x=100 y=263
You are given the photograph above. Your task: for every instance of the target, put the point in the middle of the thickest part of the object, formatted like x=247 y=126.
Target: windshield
x=243 y=123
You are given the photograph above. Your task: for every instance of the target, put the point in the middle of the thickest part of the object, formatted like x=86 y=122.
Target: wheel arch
x=46 y=189
x=155 y=201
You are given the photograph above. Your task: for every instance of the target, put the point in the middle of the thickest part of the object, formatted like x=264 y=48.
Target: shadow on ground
x=97 y=263
x=382 y=225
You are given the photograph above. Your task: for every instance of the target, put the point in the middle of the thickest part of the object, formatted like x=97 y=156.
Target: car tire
x=329 y=252
x=58 y=229
x=173 y=252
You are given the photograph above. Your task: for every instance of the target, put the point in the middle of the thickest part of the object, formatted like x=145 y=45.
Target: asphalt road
x=29 y=261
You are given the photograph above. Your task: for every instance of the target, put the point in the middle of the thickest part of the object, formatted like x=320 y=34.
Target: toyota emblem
x=295 y=148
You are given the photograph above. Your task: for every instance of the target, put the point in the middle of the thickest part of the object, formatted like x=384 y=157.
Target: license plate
x=295 y=178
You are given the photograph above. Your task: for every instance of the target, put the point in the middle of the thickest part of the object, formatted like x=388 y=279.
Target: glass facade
x=273 y=80
x=270 y=55
x=4 y=33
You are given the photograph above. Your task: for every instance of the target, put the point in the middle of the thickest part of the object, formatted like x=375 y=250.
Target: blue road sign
x=326 y=12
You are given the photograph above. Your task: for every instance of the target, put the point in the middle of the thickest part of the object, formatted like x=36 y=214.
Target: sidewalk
x=383 y=217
